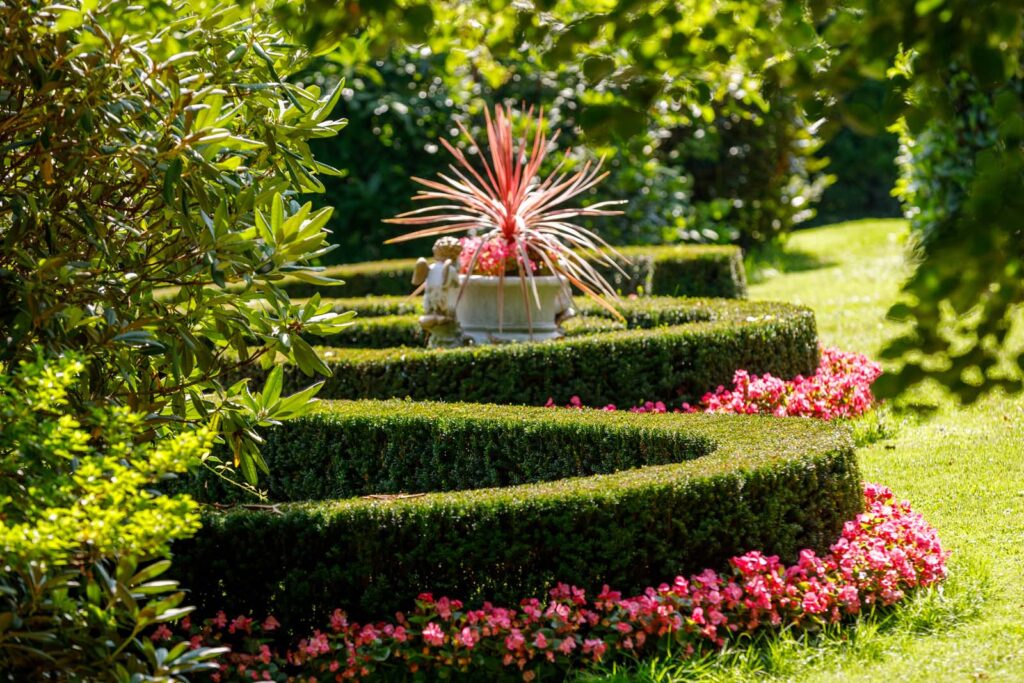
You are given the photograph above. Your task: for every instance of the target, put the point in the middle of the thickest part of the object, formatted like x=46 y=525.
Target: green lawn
x=961 y=467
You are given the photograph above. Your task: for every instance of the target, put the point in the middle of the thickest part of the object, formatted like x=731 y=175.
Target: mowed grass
x=962 y=467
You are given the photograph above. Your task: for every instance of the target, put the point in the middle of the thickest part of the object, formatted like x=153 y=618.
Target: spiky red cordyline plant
x=510 y=202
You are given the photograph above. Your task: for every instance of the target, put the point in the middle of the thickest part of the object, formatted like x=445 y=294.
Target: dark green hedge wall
x=711 y=270
x=773 y=484
x=700 y=346
x=358 y=448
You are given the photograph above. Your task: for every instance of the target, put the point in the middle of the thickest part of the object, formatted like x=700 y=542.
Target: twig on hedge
x=392 y=496
x=272 y=507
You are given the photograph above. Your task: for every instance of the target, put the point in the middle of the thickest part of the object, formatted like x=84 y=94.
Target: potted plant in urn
x=508 y=278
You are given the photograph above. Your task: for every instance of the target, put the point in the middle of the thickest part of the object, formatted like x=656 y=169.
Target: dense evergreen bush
x=937 y=164
x=142 y=145
x=691 y=270
x=767 y=483
x=755 y=173
x=689 y=347
x=146 y=146
x=84 y=536
x=957 y=176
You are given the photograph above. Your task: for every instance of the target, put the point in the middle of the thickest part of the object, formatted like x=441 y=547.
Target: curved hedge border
x=883 y=555
x=688 y=270
x=344 y=451
x=675 y=349
x=769 y=483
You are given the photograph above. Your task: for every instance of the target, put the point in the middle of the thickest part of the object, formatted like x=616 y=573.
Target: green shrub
x=737 y=483
x=755 y=173
x=83 y=536
x=711 y=270
x=937 y=164
x=345 y=451
x=150 y=145
x=675 y=349
x=960 y=182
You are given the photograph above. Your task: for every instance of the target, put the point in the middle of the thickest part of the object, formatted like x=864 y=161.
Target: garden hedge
x=674 y=350
x=673 y=493
x=688 y=270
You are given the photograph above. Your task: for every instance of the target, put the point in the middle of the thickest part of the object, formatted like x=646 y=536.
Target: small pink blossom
x=433 y=635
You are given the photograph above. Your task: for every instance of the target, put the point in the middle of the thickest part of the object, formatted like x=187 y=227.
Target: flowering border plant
x=881 y=555
x=840 y=388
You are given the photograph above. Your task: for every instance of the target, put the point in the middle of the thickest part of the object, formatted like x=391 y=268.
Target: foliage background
x=743 y=170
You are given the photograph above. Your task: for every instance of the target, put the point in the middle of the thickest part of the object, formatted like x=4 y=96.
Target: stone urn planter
x=478 y=314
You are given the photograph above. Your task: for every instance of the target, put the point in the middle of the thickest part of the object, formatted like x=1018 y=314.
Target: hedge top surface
x=655 y=252
x=673 y=350
x=640 y=312
x=693 y=270
x=646 y=318
x=733 y=445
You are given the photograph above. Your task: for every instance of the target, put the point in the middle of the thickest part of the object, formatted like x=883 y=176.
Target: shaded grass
x=960 y=467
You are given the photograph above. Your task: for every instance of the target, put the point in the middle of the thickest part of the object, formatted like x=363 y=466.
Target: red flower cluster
x=882 y=554
x=841 y=388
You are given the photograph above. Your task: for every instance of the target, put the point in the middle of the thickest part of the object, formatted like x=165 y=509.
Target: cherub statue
x=440 y=281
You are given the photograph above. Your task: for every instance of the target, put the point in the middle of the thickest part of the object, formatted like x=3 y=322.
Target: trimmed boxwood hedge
x=342 y=451
x=675 y=349
x=740 y=483
x=685 y=270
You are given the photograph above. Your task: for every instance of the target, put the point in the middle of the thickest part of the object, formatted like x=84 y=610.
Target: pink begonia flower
x=162 y=632
x=467 y=638
x=841 y=388
x=433 y=634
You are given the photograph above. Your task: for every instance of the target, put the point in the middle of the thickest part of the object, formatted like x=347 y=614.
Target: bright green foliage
x=963 y=335
x=714 y=271
x=674 y=350
x=100 y=503
x=150 y=145
x=80 y=528
x=735 y=483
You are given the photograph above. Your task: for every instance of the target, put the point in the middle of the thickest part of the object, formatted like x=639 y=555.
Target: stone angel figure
x=440 y=281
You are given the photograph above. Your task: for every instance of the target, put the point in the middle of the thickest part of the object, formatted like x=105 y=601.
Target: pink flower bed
x=841 y=388
x=884 y=553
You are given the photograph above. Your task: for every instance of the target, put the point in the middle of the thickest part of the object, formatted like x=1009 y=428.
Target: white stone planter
x=477 y=311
